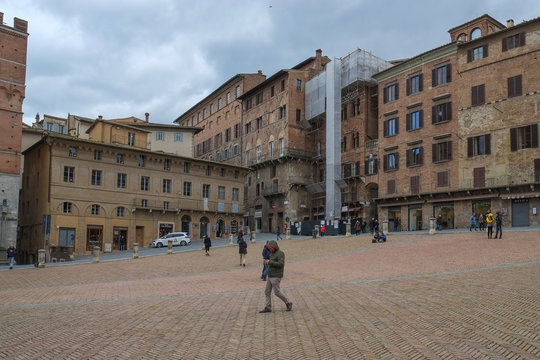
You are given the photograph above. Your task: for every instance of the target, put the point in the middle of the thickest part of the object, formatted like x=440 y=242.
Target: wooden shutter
x=470 y=144
x=488 y=144
x=408 y=86
x=385 y=162
x=511 y=87
x=415 y=184
x=448 y=107
x=408 y=157
x=534 y=134
x=479 y=177
x=448 y=73
x=522 y=39
x=421 y=156
x=408 y=121
x=385 y=95
x=385 y=130
x=470 y=55
x=513 y=139
x=397 y=91
x=421 y=82
x=397 y=125
x=421 y=118
x=537 y=170
x=449 y=149
x=485 y=50
x=434 y=153
x=505 y=44
x=434 y=77
x=396 y=156
x=434 y=119
x=482 y=94
x=474 y=96
x=391 y=186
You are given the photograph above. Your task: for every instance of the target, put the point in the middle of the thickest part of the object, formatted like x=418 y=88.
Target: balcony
x=274 y=190
x=178 y=205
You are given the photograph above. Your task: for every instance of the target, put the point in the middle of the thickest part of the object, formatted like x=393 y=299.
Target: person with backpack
x=11 y=254
x=498 y=225
x=276 y=265
x=490 y=219
x=207 y=245
x=266 y=256
x=242 y=250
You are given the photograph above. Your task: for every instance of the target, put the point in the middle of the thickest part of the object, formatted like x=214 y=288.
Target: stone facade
x=12 y=92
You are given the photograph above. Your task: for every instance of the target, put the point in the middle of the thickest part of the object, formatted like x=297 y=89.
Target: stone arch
x=476 y=33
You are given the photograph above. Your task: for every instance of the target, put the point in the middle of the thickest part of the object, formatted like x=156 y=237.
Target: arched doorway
x=204 y=227
x=220 y=231
x=185 y=224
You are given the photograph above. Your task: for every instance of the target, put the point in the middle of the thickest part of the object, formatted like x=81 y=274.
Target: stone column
x=169 y=246
x=135 y=250
x=253 y=236
x=432 y=226
x=288 y=236
x=317 y=232
x=231 y=237
x=348 y=228
x=95 y=253
x=385 y=227
x=41 y=258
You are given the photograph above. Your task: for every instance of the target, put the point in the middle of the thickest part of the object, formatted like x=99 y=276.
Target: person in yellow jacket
x=490 y=219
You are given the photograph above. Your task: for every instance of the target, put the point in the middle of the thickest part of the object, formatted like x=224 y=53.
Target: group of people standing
x=489 y=219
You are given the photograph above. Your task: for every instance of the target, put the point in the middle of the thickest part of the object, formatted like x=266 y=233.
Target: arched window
x=476 y=33
x=462 y=37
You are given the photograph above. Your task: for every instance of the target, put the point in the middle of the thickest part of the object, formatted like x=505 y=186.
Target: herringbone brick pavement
x=447 y=296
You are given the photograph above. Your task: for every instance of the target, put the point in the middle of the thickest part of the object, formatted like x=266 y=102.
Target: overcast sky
x=119 y=58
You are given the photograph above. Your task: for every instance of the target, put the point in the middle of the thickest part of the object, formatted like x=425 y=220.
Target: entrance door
x=394 y=219
x=520 y=212
x=415 y=219
x=270 y=224
x=203 y=227
x=119 y=238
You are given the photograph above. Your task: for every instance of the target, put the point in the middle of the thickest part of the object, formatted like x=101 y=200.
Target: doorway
x=203 y=227
x=415 y=218
x=520 y=212
x=120 y=238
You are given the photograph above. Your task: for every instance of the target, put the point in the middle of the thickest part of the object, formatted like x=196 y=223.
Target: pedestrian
x=490 y=219
x=278 y=233
x=122 y=242
x=375 y=238
x=439 y=222
x=376 y=228
x=481 y=222
x=266 y=256
x=372 y=225
x=396 y=224
x=364 y=224
x=11 y=254
x=242 y=250
x=498 y=225
x=207 y=244
x=323 y=230
x=357 y=227
x=276 y=265
x=473 y=222
x=240 y=236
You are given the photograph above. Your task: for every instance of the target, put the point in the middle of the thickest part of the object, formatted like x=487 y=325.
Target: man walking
x=276 y=265
x=11 y=254
x=266 y=256
x=498 y=225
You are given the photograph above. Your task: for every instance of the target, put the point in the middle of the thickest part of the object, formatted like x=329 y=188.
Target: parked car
x=178 y=238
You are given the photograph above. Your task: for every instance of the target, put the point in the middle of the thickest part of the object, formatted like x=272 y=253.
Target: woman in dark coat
x=242 y=250
x=207 y=244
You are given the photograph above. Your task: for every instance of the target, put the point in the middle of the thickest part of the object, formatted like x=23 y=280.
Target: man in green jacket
x=276 y=264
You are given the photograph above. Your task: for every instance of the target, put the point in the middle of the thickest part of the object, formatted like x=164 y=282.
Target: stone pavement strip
x=446 y=296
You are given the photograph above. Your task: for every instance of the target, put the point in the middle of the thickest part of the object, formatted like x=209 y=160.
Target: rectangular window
x=477 y=53
x=120 y=158
x=524 y=137
x=281 y=147
x=73 y=151
x=258 y=98
x=227 y=134
x=95 y=209
x=219 y=104
x=282 y=85
x=415 y=156
x=145 y=183
x=272 y=92
x=415 y=120
x=478 y=95
x=228 y=97
x=441 y=75
x=187 y=188
x=248 y=127
x=131 y=139
x=221 y=192
x=248 y=157
x=479 y=145
x=391 y=127
x=441 y=113
x=97 y=155
x=120 y=211
x=298 y=85
x=206 y=191
x=211 y=109
x=514 y=86
x=271 y=149
x=235 y=150
x=479 y=177
x=160 y=136
x=69 y=174
x=259 y=153
x=167 y=185
x=415 y=184
x=235 y=194
x=513 y=41
x=537 y=170
x=178 y=137
x=443 y=179
x=165 y=205
x=208 y=170
x=121 y=181
x=415 y=84
x=67 y=208
x=391 y=93
x=144 y=203
x=391 y=161
x=298 y=115
x=442 y=151
x=236 y=131
x=391 y=186
x=187 y=167
x=167 y=164
x=282 y=112
x=237 y=91
x=259 y=123
x=96 y=177
x=142 y=161
x=371 y=166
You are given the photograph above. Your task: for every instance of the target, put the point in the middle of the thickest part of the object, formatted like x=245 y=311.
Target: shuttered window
x=441 y=113
x=513 y=41
x=479 y=177
x=514 y=86
x=441 y=75
x=415 y=184
x=478 y=96
x=391 y=186
x=524 y=137
x=479 y=145
x=443 y=178
x=442 y=151
x=415 y=120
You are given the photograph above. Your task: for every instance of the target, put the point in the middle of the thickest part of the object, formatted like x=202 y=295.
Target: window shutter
x=449 y=111
x=408 y=121
x=397 y=90
x=504 y=44
x=434 y=153
x=434 y=114
x=486 y=50
x=513 y=139
x=518 y=84
x=385 y=128
x=385 y=164
x=396 y=155
x=408 y=86
x=385 y=95
x=474 y=96
x=482 y=94
x=488 y=143
x=470 y=144
x=470 y=55
x=534 y=134
x=434 y=77
x=421 y=82
x=449 y=148
x=397 y=125
x=522 y=39
x=510 y=86
x=408 y=158
x=421 y=118
x=448 y=73
x=421 y=156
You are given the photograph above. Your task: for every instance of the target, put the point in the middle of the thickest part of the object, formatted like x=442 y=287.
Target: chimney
x=37 y=118
x=146 y=115
x=20 y=24
x=318 y=53
x=259 y=72
x=100 y=117
x=1 y=18
x=509 y=23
